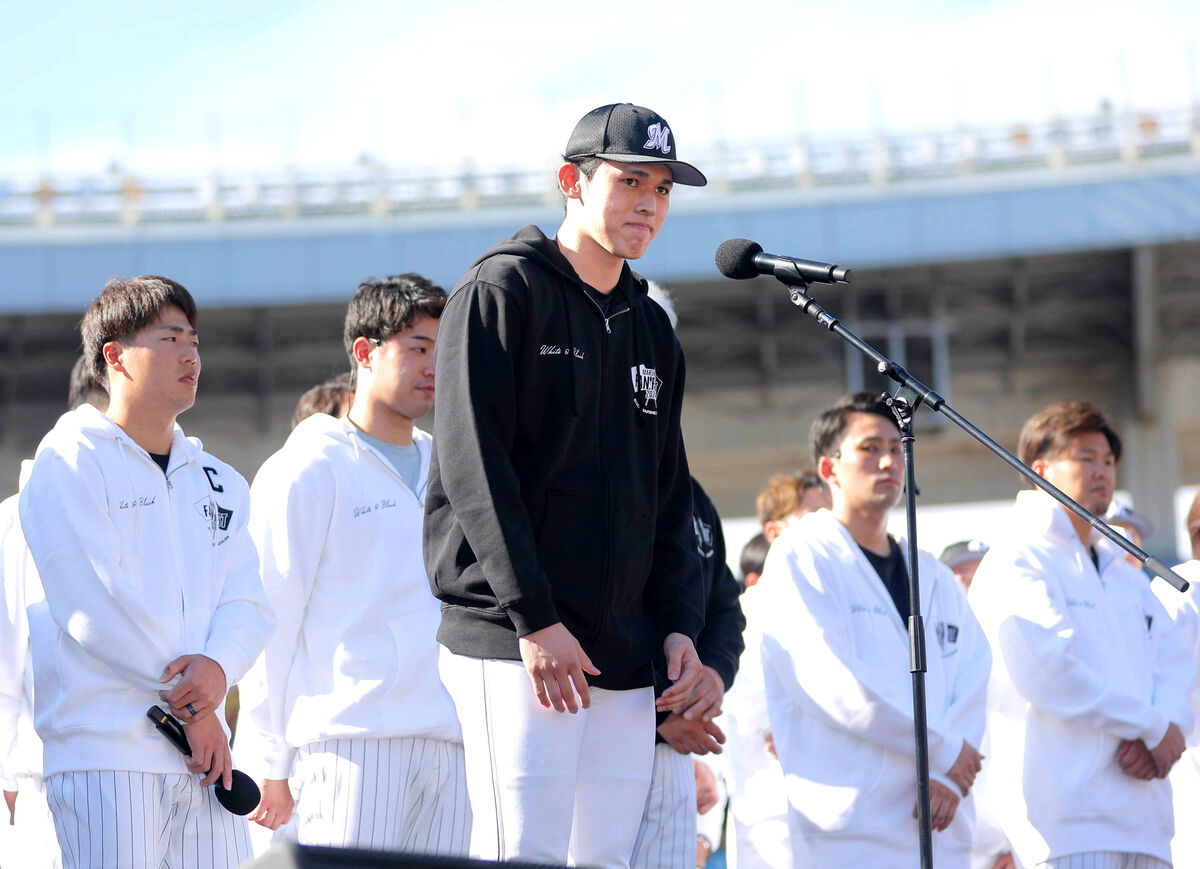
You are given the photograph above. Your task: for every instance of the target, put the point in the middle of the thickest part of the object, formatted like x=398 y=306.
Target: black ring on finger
x=191 y=709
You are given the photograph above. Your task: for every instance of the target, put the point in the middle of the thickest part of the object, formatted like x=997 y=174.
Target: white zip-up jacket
x=20 y=748
x=757 y=799
x=355 y=651
x=1085 y=658
x=839 y=696
x=138 y=568
x=1184 y=609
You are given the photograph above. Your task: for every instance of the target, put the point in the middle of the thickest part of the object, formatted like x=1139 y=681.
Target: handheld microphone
x=740 y=258
x=241 y=799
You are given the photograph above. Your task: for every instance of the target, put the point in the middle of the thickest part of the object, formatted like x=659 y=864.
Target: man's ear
x=360 y=350
x=825 y=469
x=772 y=528
x=1040 y=466
x=112 y=352
x=570 y=181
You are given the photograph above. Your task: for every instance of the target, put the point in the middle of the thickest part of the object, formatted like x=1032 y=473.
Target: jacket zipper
x=606 y=567
x=175 y=548
x=610 y=317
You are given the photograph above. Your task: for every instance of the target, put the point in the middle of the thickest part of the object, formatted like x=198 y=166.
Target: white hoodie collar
x=319 y=426
x=86 y=419
x=823 y=525
x=1040 y=514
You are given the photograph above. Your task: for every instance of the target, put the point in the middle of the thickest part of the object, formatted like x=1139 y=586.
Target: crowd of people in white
x=468 y=643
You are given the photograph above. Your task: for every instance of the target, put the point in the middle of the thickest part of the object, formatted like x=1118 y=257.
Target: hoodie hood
x=1039 y=514
x=531 y=243
x=90 y=422
x=313 y=434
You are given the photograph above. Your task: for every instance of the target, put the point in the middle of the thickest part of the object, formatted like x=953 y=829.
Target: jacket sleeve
x=808 y=648
x=1036 y=639
x=1184 y=610
x=1174 y=666
x=76 y=548
x=14 y=642
x=479 y=339
x=675 y=590
x=243 y=618
x=289 y=521
x=720 y=643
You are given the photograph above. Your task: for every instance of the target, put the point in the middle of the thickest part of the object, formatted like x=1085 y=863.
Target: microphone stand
x=910 y=394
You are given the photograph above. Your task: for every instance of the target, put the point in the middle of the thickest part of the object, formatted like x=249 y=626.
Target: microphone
x=241 y=799
x=740 y=258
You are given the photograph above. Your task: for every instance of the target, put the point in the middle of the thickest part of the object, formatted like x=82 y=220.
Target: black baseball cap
x=630 y=134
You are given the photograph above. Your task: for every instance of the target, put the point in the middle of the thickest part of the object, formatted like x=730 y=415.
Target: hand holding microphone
x=235 y=790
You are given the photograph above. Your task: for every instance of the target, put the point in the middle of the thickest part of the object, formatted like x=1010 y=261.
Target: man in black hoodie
x=558 y=529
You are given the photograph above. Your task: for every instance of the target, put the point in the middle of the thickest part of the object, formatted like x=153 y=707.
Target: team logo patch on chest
x=947 y=637
x=217 y=517
x=704 y=537
x=646 y=384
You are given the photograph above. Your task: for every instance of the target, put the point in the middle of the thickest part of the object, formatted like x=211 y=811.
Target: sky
x=183 y=88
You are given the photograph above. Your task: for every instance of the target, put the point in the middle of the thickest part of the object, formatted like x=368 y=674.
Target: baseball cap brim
x=682 y=173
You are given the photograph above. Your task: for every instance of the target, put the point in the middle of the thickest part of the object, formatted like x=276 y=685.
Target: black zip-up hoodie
x=559 y=489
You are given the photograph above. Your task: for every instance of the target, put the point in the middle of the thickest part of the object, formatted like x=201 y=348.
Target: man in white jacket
x=151 y=593
x=757 y=837
x=1088 y=700
x=836 y=664
x=1184 y=610
x=30 y=840
x=347 y=693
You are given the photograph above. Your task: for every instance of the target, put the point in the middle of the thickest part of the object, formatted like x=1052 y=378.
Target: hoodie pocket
x=570 y=546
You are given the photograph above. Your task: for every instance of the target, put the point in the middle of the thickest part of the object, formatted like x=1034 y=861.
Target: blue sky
x=164 y=87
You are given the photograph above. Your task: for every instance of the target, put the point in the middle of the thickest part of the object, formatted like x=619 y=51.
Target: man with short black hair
x=1088 y=700
x=152 y=596
x=836 y=663
x=558 y=530
x=346 y=692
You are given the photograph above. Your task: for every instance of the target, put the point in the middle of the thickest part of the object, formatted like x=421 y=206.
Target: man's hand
x=707 y=793
x=556 y=663
x=943 y=803
x=1136 y=760
x=1169 y=750
x=683 y=669
x=966 y=768
x=275 y=808
x=210 y=750
x=705 y=702
x=200 y=691
x=691 y=737
x=10 y=800
x=703 y=851
x=1005 y=861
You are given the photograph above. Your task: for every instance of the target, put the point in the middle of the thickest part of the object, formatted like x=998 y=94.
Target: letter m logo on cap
x=658 y=136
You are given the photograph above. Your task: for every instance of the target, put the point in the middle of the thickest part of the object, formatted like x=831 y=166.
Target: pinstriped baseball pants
x=667 y=835
x=115 y=819
x=406 y=794
x=1105 y=860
